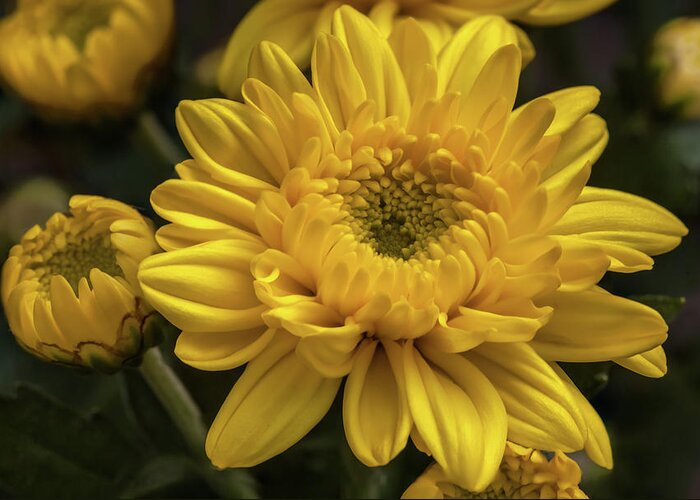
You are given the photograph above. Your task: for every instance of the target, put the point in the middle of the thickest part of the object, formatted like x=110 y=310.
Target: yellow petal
x=597 y=441
x=650 y=364
x=288 y=24
x=270 y=64
x=231 y=139
x=458 y=414
x=627 y=227
x=222 y=350
x=375 y=410
x=275 y=403
x=375 y=63
x=571 y=104
x=567 y=174
x=205 y=288
x=562 y=11
x=413 y=52
x=465 y=56
x=594 y=325
x=541 y=412
x=582 y=264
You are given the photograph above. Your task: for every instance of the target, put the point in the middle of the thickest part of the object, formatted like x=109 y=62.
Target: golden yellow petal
x=562 y=11
x=650 y=364
x=222 y=350
x=275 y=403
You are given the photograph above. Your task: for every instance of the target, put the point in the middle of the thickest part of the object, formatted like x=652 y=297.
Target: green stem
x=177 y=401
x=159 y=139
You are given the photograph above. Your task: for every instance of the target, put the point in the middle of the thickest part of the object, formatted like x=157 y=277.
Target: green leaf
x=590 y=378
x=667 y=306
x=165 y=476
x=48 y=450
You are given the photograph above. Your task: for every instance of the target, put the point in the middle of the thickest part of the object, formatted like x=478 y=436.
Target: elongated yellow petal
x=275 y=403
x=628 y=228
x=594 y=325
x=563 y=11
x=413 y=52
x=458 y=414
x=464 y=57
x=222 y=350
x=571 y=106
x=650 y=364
x=582 y=264
x=205 y=288
x=375 y=62
x=375 y=410
x=597 y=441
x=289 y=24
x=541 y=412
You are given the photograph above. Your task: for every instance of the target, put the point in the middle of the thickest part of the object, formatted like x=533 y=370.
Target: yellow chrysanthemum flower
x=395 y=222
x=70 y=291
x=294 y=24
x=81 y=58
x=524 y=473
x=676 y=57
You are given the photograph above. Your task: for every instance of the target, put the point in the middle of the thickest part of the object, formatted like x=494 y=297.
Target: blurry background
x=107 y=436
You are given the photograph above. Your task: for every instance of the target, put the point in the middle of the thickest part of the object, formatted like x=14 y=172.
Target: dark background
x=112 y=439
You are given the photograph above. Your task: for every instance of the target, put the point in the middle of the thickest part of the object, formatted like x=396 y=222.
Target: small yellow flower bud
x=524 y=473
x=83 y=58
x=70 y=291
x=676 y=57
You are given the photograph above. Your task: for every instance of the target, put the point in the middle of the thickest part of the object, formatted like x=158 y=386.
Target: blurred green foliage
x=68 y=434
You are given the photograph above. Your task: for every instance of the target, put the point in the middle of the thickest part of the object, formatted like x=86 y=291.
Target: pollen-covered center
x=72 y=252
x=77 y=18
x=399 y=215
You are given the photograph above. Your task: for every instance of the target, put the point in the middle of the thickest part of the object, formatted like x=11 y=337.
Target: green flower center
x=77 y=18
x=399 y=219
x=75 y=260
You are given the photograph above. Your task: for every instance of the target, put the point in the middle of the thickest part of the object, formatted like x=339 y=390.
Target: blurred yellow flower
x=294 y=24
x=676 y=58
x=82 y=58
x=70 y=291
x=397 y=222
x=524 y=473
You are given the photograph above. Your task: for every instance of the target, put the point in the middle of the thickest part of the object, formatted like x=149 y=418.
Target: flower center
x=77 y=18
x=74 y=259
x=399 y=215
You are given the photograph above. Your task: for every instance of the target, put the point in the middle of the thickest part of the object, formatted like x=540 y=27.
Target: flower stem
x=151 y=129
x=177 y=401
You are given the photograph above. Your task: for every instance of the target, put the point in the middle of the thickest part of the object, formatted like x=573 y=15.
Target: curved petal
x=288 y=24
x=222 y=350
x=205 y=288
x=375 y=62
x=459 y=415
x=275 y=403
x=626 y=227
x=413 y=52
x=597 y=441
x=375 y=410
x=651 y=364
x=562 y=11
x=594 y=325
x=541 y=412
x=465 y=56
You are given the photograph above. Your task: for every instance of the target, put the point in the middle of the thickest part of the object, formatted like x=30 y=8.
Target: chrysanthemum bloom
x=676 y=58
x=524 y=473
x=396 y=222
x=70 y=291
x=294 y=24
x=81 y=58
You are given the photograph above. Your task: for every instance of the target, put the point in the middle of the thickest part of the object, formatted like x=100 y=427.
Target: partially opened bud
x=70 y=291
x=676 y=58
x=82 y=58
x=524 y=473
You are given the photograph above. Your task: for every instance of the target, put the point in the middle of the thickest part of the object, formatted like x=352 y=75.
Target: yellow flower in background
x=397 y=223
x=675 y=56
x=82 y=58
x=294 y=24
x=70 y=291
x=524 y=473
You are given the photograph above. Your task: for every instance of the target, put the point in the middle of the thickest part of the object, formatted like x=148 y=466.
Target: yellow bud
x=79 y=59
x=676 y=57
x=70 y=291
x=524 y=473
